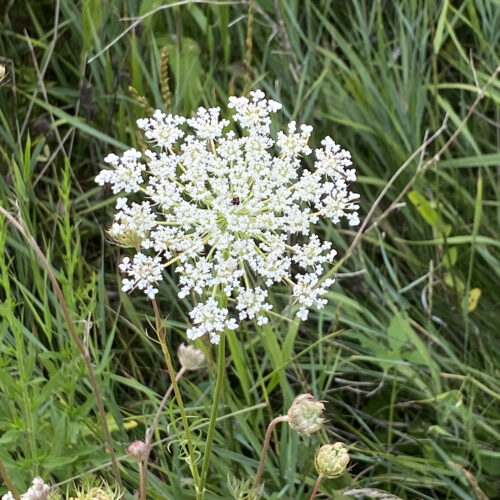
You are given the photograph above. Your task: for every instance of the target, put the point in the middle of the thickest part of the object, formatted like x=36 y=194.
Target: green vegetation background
x=405 y=355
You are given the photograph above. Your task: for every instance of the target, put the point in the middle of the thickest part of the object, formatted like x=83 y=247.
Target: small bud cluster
x=332 y=460
x=232 y=215
x=305 y=415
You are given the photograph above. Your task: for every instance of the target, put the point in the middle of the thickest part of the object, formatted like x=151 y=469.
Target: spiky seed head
x=305 y=415
x=332 y=459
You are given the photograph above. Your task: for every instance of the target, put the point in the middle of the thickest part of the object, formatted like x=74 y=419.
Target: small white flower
x=207 y=124
x=127 y=173
x=162 y=129
x=144 y=272
x=209 y=318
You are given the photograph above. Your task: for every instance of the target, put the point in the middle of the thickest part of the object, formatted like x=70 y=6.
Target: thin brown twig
x=74 y=335
x=8 y=481
x=316 y=487
x=265 y=447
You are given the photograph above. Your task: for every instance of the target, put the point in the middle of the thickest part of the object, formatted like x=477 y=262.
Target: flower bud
x=138 y=450
x=190 y=357
x=304 y=416
x=332 y=459
x=125 y=239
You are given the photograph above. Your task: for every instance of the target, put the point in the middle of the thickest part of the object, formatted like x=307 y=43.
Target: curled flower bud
x=304 y=416
x=190 y=357
x=332 y=459
x=38 y=491
x=138 y=450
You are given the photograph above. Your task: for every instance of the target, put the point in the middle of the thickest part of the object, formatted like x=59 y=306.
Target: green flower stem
x=160 y=331
x=221 y=363
x=265 y=448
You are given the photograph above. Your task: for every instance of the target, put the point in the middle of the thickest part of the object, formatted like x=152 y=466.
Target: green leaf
x=438 y=37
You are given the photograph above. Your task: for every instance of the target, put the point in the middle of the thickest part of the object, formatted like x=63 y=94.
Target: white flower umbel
x=234 y=212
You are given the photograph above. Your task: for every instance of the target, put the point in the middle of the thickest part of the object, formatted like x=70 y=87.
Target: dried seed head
x=332 y=459
x=138 y=450
x=190 y=357
x=304 y=416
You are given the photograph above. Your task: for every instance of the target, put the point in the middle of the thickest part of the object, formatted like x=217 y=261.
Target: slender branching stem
x=8 y=481
x=150 y=432
x=221 y=363
x=74 y=335
x=143 y=466
x=265 y=448
x=316 y=487
x=160 y=331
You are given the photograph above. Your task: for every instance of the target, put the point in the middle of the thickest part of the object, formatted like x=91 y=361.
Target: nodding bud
x=138 y=450
x=37 y=491
x=304 y=416
x=190 y=357
x=332 y=459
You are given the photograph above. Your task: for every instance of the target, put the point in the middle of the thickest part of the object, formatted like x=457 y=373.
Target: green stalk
x=160 y=331
x=221 y=362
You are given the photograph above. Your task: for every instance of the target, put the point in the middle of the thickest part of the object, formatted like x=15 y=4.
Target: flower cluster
x=234 y=212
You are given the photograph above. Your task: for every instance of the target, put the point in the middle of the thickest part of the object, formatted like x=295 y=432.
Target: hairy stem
x=160 y=331
x=265 y=448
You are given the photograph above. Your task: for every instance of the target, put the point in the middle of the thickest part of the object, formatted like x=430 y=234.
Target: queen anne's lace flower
x=232 y=216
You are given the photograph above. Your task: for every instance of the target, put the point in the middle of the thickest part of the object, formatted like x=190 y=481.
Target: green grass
x=409 y=374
